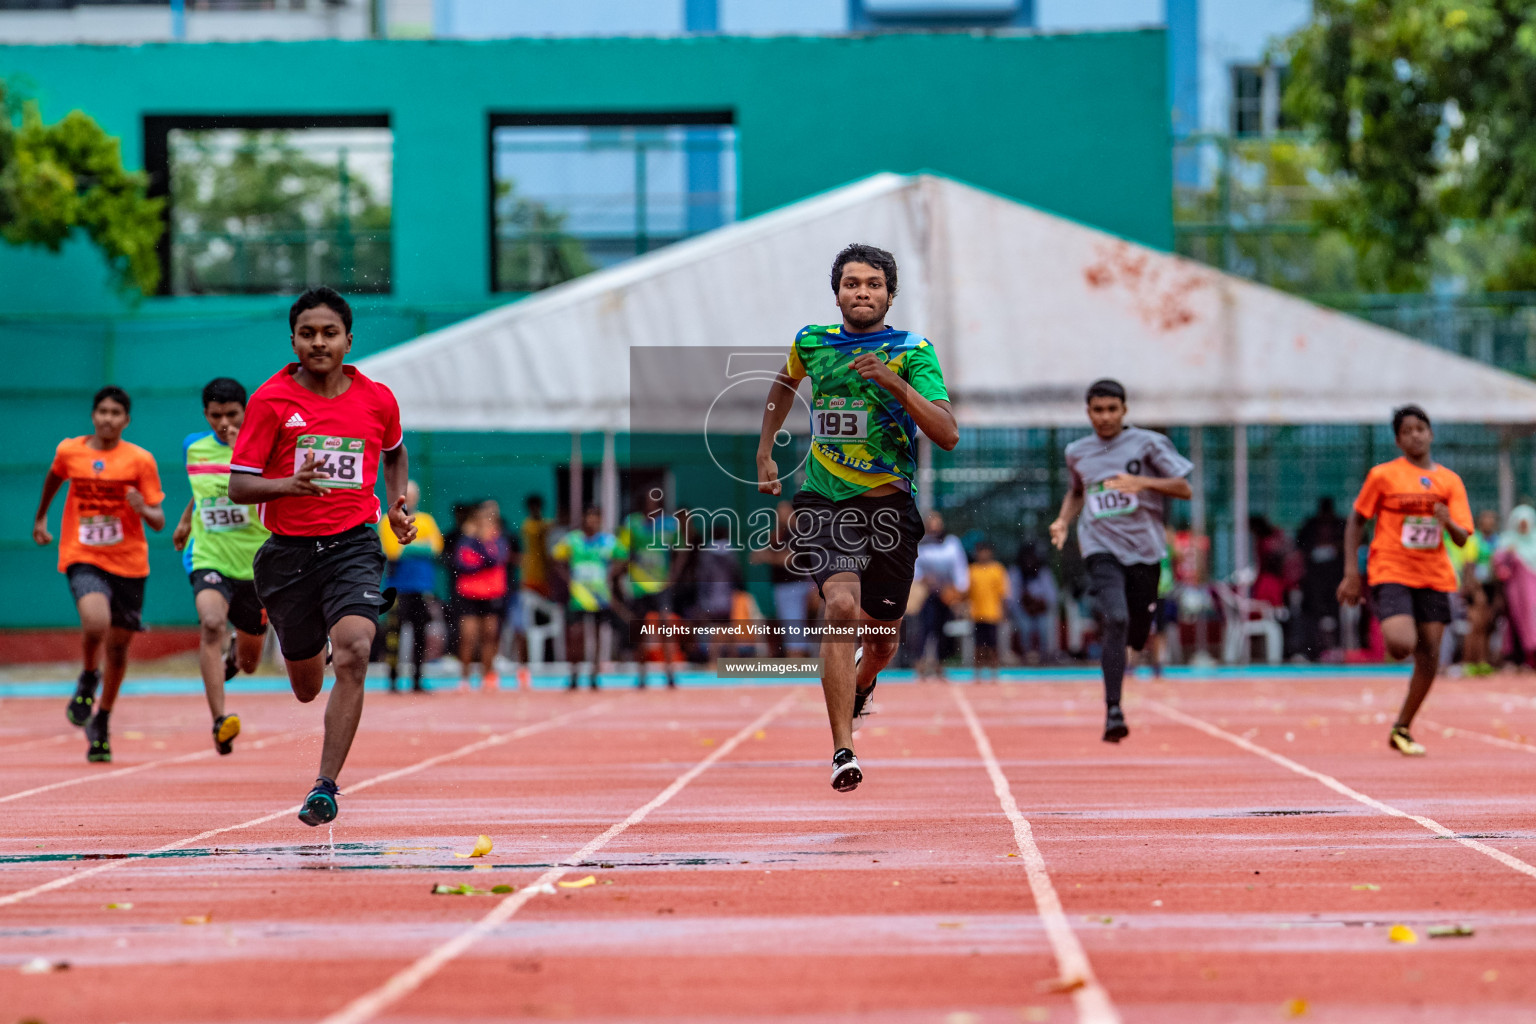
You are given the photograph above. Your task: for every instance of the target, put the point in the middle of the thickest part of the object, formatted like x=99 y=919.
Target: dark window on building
x=1257 y=92
x=573 y=195
x=263 y=205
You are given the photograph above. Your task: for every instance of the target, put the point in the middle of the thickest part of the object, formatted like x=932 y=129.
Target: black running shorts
x=873 y=538
x=1123 y=594
x=125 y=594
x=1424 y=604
x=245 y=610
x=308 y=584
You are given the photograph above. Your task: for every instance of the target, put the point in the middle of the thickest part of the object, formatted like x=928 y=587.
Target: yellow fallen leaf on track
x=1295 y=1008
x=483 y=846
x=1402 y=933
x=1367 y=887
x=761 y=734
x=581 y=884
x=198 y=919
x=132 y=735
x=1449 y=931
x=119 y=906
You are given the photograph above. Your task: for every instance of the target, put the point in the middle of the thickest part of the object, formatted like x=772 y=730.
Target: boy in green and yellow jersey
x=218 y=540
x=855 y=526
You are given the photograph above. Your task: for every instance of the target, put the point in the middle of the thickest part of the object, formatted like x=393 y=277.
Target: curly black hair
x=858 y=252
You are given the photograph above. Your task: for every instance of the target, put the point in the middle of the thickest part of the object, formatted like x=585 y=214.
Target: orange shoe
x=490 y=684
x=524 y=679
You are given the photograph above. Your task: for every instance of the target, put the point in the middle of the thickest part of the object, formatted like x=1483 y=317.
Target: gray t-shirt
x=1126 y=526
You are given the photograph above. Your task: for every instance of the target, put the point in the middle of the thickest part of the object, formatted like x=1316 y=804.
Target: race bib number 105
x=1103 y=502
x=340 y=458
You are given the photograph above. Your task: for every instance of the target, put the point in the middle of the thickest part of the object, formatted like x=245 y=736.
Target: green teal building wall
x=1074 y=124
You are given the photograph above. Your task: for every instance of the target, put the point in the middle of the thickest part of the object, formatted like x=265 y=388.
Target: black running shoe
x=101 y=743
x=575 y=684
x=846 y=775
x=592 y=683
x=861 y=697
x=320 y=806
x=1115 y=728
x=225 y=729
x=78 y=710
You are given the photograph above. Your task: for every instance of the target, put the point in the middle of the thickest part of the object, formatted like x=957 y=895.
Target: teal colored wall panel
x=1074 y=124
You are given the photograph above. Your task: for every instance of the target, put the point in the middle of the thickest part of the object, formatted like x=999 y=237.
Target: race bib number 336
x=340 y=458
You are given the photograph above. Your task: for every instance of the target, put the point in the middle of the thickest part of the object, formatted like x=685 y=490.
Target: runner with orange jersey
x=114 y=491
x=1417 y=504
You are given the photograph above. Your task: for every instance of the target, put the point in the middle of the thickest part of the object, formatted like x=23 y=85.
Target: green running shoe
x=320 y=806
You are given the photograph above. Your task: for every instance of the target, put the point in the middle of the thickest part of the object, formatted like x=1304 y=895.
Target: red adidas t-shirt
x=348 y=434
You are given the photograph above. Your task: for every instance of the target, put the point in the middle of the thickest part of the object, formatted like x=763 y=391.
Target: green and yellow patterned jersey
x=649 y=542
x=225 y=536
x=589 y=559
x=861 y=435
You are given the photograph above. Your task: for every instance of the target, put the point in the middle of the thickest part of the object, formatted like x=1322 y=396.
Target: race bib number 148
x=340 y=458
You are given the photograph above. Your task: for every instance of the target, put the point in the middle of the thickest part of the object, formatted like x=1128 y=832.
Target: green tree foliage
x=255 y=211
x=59 y=178
x=1426 y=109
x=534 y=249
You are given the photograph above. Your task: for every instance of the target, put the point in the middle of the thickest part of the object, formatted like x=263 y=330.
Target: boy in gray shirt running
x=1121 y=478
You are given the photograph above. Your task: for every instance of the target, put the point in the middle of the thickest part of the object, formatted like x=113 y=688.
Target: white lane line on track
x=1338 y=787
x=1497 y=741
x=132 y=769
x=472 y=748
x=1090 y=998
x=407 y=981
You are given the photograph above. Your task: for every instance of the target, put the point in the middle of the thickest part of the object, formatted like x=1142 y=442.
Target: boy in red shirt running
x=1416 y=503
x=309 y=455
x=114 y=492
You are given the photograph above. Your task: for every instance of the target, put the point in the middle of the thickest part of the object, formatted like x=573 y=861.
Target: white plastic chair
x=537 y=634
x=1245 y=619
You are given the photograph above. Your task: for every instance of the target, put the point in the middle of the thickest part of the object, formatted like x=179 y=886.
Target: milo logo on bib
x=340 y=458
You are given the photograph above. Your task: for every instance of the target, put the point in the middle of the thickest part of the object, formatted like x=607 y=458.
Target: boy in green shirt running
x=855 y=525
x=218 y=540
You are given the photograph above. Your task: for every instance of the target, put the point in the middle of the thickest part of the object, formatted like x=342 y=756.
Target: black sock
x=1112 y=642
x=325 y=782
x=103 y=717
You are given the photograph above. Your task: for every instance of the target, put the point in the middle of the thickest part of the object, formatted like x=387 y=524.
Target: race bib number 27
x=1421 y=533
x=340 y=458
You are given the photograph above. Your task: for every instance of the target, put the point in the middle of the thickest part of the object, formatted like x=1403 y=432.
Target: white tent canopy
x=1025 y=309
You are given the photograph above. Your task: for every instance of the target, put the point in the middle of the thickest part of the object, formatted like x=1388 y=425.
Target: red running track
x=1242 y=856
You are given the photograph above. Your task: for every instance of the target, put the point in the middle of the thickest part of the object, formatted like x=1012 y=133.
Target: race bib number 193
x=1103 y=502
x=840 y=424
x=340 y=458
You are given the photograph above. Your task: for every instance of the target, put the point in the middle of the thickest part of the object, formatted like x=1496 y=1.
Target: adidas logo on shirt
x=296 y=421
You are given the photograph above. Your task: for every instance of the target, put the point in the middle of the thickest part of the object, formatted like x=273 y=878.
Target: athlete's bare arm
x=1349 y=586
x=51 y=484
x=1172 y=486
x=1071 y=505
x=253 y=489
x=1458 y=535
x=153 y=515
x=781 y=395
x=183 y=526
x=397 y=474
x=936 y=419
